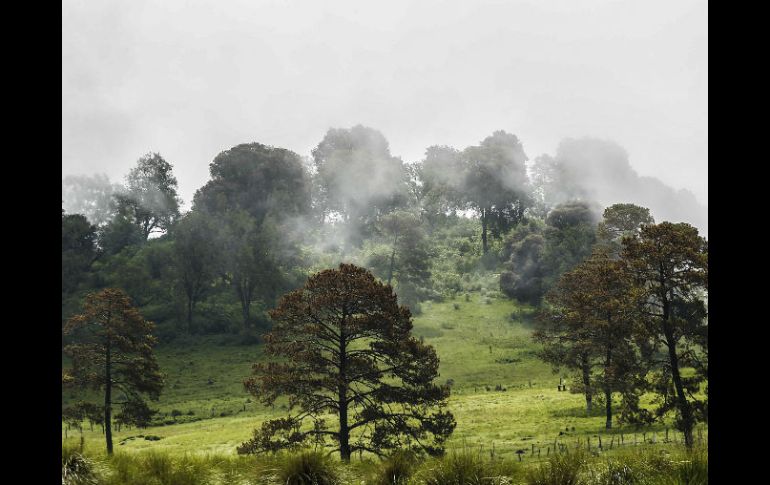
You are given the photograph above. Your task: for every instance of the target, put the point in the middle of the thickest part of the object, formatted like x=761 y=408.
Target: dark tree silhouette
x=670 y=261
x=343 y=345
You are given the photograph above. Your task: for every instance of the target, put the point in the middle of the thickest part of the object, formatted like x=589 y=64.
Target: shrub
x=77 y=469
x=306 y=468
x=467 y=468
x=396 y=469
x=560 y=469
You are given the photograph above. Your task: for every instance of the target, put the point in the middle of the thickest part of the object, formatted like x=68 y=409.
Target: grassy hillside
x=482 y=341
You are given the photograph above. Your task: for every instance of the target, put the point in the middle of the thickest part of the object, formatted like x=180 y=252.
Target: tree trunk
x=344 y=430
x=484 y=214
x=189 y=314
x=587 y=385
x=685 y=411
x=343 y=402
x=108 y=400
x=607 y=383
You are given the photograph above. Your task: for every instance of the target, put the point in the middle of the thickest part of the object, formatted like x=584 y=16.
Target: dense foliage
x=622 y=300
x=341 y=344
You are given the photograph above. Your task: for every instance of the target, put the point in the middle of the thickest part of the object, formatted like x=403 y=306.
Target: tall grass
x=559 y=469
x=397 y=469
x=307 y=467
x=76 y=469
x=466 y=467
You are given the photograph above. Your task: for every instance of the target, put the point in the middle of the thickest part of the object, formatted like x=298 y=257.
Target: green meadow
x=505 y=400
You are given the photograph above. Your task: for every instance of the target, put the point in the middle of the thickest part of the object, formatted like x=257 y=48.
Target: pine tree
x=111 y=351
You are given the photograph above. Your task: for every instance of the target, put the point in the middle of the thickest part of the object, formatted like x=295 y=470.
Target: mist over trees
x=620 y=301
x=600 y=170
x=267 y=218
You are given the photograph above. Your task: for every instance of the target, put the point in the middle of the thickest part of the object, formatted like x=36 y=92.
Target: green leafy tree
x=78 y=251
x=538 y=255
x=342 y=344
x=196 y=259
x=495 y=183
x=111 y=351
x=619 y=221
x=150 y=199
x=119 y=233
x=441 y=176
x=524 y=273
x=570 y=235
x=258 y=179
x=409 y=257
x=250 y=263
x=359 y=178
x=670 y=262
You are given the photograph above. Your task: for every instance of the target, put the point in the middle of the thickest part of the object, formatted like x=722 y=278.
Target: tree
x=150 y=200
x=670 y=262
x=78 y=250
x=257 y=179
x=342 y=344
x=496 y=184
x=442 y=176
x=119 y=233
x=250 y=263
x=195 y=259
x=408 y=260
x=524 y=274
x=538 y=256
x=92 y=196
x=359 y=177
x=588 y=323
x=619 y=221
x=111 y=350
x=570 y=235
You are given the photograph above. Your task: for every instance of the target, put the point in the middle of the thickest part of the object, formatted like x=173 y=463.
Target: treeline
x=632 y=319
x=268 y=217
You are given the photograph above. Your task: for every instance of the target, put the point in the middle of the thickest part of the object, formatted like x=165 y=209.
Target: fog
x=191 y=79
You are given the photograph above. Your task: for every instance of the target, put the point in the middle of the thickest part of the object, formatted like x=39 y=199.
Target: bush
x=467 y=468
x=560 y=469
x=307 y=468
x=396 y=469
x=77 y=469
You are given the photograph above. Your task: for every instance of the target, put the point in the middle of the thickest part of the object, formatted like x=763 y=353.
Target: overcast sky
x=190 y=78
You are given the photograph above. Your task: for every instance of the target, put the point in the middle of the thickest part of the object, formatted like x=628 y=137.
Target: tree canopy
x=342 y=344
x=111 y=350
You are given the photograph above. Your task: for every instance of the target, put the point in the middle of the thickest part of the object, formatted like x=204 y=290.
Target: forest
x=346 y=316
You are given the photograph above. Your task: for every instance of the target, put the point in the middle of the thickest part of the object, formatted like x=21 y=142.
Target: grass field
x=482 y=341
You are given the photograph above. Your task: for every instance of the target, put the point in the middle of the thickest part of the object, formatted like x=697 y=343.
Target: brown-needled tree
x=588 y=326
x=111 y=351
x=342 y=345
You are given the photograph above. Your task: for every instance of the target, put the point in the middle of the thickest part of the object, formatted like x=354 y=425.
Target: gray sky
x=190 y=78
